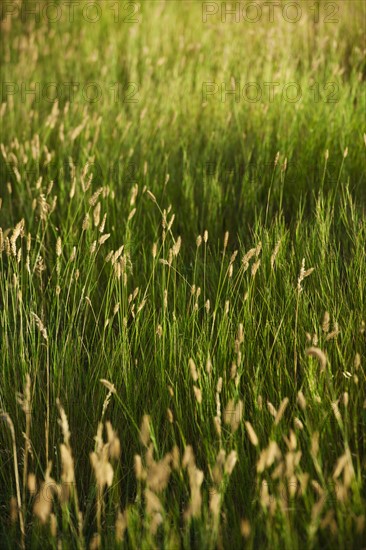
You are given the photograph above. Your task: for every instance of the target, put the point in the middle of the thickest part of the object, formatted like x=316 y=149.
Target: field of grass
x=183 y=275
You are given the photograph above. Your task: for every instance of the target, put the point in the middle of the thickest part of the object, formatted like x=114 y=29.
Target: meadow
x=183 y=267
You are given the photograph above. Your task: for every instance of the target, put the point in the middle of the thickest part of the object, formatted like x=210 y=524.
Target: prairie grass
x=182 y=290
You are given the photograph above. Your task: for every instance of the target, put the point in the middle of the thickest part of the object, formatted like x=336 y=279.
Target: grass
x=182 y=292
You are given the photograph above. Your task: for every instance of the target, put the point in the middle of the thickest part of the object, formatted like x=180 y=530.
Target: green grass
x=284 y=180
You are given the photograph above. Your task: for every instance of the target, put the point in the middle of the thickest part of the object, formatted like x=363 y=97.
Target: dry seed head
x=94 y=198
x=43 y=502
x=301 y=275
x=58 y=247
x=245 y=528
x=154 y=524
x=275 y=253
x=86 y=222
x=230 y=462
x=298 y=424
x=110 y=387
x=218 y=469
x=205 y=236
x=233 y=414
x=145 y=430
x=7 y=246
x=120 y=526
x=63 y=423
x=251 y=433
x=271 y=409
x=215 y=502
x=176 y=246
x=131 y=214
x=332 y=335
x=281 y=410
x=140 y=473
x=134 y=193
x=248 y=256
x=217 y=422
x=226 y=240
x=233 y=256
x=103 y=470
x=73 y=254
x=336 y=412
x=320 y=355
x=153 y=503
x=113 y=442
x=171 y=222
x=158 y=473
x=102 y=225
x=93 y=247
x=188 y=457
x=104 y=238
x=67 y=462
x=198 y=241
x=29 y=242
x=208 y=365
x=116 y=255
x=195 y=480
x=40 y=326
x=340 y=465
x=95 y=542
x=170 y=416
x=96 y=214
x=42 y=506
x=268 y=456
x=198 y=394
x=193 y=370
x=326 y=321
x=32 y=484
x=255 y=267
x=151 y=195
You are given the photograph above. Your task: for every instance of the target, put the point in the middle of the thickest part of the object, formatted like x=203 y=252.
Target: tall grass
x=182 y=291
